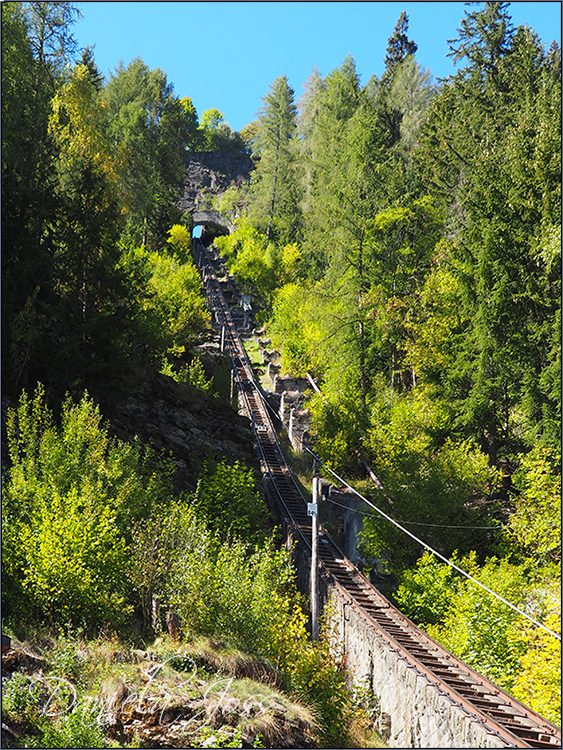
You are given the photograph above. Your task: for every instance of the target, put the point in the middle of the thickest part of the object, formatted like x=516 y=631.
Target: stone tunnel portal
x=212 y=225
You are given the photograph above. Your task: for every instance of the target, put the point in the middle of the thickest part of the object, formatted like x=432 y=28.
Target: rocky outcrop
x=199 y=694
x=184 y=422
x=211 y=173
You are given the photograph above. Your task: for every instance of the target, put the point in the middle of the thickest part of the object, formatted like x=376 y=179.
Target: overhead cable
x=413 y=523
x=431 y=549
x=412 y=536
x=416 y=539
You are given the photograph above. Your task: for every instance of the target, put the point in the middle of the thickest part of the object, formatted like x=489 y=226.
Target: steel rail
x=502 y=715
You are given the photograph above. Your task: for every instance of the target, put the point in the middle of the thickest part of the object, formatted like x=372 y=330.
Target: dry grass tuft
x=216 y=656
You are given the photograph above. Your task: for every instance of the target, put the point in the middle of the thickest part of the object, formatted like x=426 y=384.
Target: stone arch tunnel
x=212 y=223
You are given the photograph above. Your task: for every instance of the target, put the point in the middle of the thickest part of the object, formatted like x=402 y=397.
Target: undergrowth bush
x=228 y=497
x=483 y=631
x=71 y=495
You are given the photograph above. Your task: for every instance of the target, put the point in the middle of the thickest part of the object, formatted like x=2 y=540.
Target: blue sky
x=226 y=54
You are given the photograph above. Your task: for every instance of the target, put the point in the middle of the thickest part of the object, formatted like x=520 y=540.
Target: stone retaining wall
x=412 y=710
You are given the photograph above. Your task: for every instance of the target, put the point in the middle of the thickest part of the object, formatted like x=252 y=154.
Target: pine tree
x=331 y=103
x=493 y=131
x=399 y=48
x=275 y=190
x=484 y=39
x=154 y=128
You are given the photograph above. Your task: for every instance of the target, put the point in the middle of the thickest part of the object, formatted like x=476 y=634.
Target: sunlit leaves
x=70 y=498
x=425 y=592
x=227 y=496
x=538 y=684
x=535 y=524
x=79 y=124
x=174 y=306
x=180 y=239
x=480 y=629
x=485 y=632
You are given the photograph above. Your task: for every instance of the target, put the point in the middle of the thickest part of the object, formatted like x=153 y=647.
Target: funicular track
x=502 y=715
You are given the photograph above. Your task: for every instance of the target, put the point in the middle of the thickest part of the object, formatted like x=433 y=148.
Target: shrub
x=22 y=699
x=180 y=240
x=171 y=306
x=538 y=684
x=427 y=478
x=70 y=498
x=478 y=628
x=248 y=598
x=228 y=498
x=78 y=729
x=535 y=525
x=426 y=591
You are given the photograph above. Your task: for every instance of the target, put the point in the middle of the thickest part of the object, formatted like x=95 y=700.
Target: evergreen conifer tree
x=275 y=188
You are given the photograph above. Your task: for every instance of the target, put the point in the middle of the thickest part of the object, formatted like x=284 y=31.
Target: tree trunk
x=145 y=231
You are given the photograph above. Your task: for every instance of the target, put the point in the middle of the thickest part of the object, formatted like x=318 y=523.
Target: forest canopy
x=402 y=242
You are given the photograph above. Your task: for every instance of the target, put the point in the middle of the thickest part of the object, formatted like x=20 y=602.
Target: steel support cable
x=234 y=344
x=420 y=541
x=431 y=549
x=414 y=523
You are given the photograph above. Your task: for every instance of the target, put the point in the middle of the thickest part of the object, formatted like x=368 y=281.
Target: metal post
x=314 y=561
x=222 y=338
x=232 y=383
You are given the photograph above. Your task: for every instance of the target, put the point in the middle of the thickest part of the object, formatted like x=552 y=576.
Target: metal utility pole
x=312 y=509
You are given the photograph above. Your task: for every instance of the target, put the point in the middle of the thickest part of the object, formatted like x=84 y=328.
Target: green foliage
x=274 y=194
x=70 y=497
x=152 y=128
x=209 y=737
x=250 y=601
x=78 y=729
x=497 y=210
x=407 y=249
x=64 y=660
x=61 y=214
x=484 y=632
x=21 y=700
x=180 y=376
x=173 y=311
x=335 y=424
x=252 y=259
x=217 y=135
x=50 y=33
x=228 y=498
x=171 y=532
x=295 y=329
x=426 y=591
x=75 y=560
x=243 y=595
x=196 y=374
x=435 y=326
x=439 y=486
x=538 y=684
x=480 y=629
x=180 y=239
x=535 y=524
